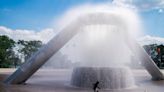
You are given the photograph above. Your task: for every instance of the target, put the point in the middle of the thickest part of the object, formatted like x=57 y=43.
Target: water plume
x=100 y=46
x=100 y=39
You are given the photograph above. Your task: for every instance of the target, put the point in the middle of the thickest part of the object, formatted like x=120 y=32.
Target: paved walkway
x=58 y=81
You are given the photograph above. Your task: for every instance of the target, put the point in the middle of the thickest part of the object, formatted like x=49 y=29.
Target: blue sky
x=40 y=14
x=153 y=22
x=35 y=14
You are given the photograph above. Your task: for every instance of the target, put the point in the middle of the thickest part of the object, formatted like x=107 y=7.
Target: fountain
x=103 y=54
x=109 y=77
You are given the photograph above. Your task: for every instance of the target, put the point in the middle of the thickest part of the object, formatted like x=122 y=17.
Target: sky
x=25 y=17
x=35 y=14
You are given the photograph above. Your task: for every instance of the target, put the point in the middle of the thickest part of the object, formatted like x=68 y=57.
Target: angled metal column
x=145 y=59
x=37 y=60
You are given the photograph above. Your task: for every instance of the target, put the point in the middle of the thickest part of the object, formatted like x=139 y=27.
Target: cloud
x=146 y=40
x=20 y=34
x=142 y=5
x=160 y=10
x=46 y=34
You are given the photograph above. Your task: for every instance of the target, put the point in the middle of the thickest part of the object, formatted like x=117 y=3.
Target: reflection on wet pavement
x=58 y=81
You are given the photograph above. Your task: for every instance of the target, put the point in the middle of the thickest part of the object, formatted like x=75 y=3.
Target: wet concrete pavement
x=46 y=80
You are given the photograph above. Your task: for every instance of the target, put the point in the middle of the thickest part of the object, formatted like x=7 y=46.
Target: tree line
x=14 y=53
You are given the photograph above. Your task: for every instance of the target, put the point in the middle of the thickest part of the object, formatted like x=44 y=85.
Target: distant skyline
x=38 y=15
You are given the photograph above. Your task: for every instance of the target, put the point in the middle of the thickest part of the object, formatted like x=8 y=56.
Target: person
x=96 y=86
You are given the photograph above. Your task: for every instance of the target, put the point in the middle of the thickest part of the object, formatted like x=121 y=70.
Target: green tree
x=157 y=53
x=29 y=48
x=6 y=51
